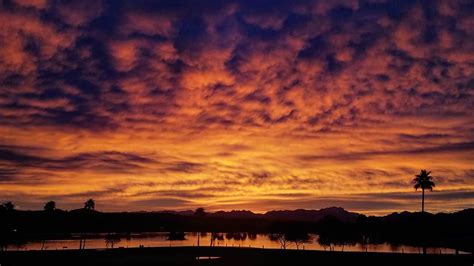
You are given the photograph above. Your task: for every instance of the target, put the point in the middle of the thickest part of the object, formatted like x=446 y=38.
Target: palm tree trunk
x=423 y=211
x=423 y=201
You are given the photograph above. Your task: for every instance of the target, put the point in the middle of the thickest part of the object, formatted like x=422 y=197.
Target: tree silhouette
x=325 y=241
x=200 y=212
x=298 y=238
x=215 y=236
x=111 y=240
x=281 y=238
x=423 y=181
x=7 y=206
x=89 y=204
x=50 y=206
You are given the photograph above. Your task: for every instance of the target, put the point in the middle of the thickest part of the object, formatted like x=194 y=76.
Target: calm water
x=254 y=241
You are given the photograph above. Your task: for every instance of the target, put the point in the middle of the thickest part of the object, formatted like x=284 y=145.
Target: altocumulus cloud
x=279 y=97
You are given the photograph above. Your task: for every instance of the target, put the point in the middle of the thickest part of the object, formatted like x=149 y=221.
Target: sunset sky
x=258 y=105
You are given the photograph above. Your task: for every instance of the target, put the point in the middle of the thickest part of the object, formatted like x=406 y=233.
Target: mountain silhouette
x=313 y=215
x=283 y=215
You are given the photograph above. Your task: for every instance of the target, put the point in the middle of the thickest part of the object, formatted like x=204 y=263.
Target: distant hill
x=235 y=214
x=185 y=213
x=283 y=215
x=466 y=214
x=303 y=215
x=313 y=215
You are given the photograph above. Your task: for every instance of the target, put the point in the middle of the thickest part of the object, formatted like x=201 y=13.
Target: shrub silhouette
x=89 y=204
x=50 y=206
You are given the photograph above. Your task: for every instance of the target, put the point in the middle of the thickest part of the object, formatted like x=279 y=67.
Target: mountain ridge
x=313 y=215
x=304 y=215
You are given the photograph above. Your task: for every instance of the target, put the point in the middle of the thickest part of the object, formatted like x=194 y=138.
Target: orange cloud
x=236 y=106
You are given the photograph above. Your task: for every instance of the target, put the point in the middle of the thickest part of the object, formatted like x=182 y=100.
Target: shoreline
x=222 y=256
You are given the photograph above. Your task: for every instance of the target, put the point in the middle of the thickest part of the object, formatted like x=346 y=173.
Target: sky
x=256 y=105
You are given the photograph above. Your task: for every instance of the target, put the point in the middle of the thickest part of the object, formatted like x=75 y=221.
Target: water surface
x=226 y=240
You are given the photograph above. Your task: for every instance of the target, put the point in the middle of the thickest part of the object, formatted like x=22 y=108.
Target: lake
x=160 y=239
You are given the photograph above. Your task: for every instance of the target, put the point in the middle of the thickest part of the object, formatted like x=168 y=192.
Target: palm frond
x=423 y=180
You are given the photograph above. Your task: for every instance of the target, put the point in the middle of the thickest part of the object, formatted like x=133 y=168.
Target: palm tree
x=423 y=181
x=50 y=206
x=89 y=204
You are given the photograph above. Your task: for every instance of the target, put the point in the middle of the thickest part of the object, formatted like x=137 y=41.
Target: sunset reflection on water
x=191 y=239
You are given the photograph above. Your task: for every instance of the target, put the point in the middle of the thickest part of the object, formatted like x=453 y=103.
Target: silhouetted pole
x=423 y=200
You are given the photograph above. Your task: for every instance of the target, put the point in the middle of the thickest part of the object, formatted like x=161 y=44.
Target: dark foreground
x=226 y=256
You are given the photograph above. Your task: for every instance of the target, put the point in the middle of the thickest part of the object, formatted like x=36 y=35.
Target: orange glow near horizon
x=232 y=107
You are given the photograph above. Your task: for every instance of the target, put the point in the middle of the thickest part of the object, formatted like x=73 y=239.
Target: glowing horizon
x=236 y=105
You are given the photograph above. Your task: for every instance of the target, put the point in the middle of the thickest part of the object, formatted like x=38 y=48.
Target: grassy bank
x=225 y=256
